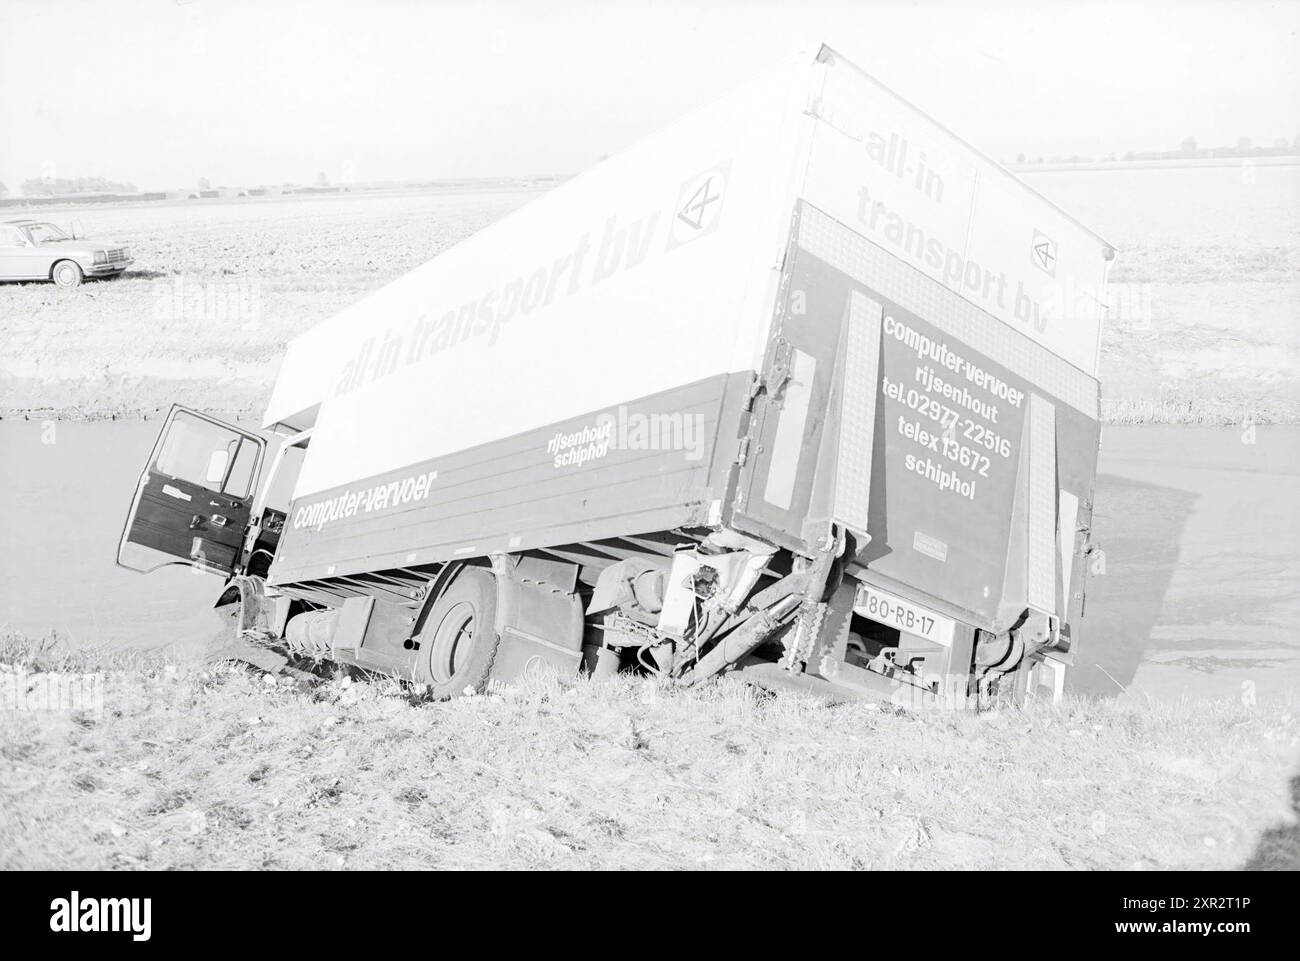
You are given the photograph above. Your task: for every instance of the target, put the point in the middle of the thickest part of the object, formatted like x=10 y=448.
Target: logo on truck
x=618 y=246
x=692 y=215
x=1043 y=253
x=699 y=206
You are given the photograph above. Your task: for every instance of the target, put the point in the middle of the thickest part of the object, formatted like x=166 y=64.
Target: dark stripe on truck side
x=529 y=491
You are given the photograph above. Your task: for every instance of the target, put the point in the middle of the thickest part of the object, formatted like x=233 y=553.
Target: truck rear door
x=776 y=496
x=905 y=433
x=194 y=497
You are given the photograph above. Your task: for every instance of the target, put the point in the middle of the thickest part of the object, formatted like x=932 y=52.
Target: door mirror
x=217 y=464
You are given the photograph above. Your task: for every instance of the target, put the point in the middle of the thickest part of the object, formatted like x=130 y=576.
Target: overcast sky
x=163 y=92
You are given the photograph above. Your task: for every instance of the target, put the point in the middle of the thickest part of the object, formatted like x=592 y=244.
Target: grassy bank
x=223 y=766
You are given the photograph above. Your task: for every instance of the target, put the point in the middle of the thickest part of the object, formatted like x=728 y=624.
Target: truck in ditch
x=802 y=386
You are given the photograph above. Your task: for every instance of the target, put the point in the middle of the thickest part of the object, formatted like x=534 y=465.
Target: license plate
x=884 y=608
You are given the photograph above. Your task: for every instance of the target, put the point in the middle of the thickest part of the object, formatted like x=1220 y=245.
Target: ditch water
x=1200 y=528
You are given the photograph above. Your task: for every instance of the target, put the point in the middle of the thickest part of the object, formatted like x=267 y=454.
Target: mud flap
x=1047 y=677
x=540 y=627
x=257 y=613
x=213 y=636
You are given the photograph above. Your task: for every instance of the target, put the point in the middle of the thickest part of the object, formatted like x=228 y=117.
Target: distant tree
x=1188 y=145
x=205 y=183
x=322 y=180
x=1020 y=158
x=1295 y=144
x=61 y=186
x=1244 y=144
x=1280 y=143
x=4 y=191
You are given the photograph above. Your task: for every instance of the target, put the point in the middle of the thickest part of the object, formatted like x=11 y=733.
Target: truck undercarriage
x=682 y=604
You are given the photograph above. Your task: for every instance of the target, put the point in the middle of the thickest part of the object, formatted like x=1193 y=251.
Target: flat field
x=217 y=290
x=1205 y=298
x=1205 y=290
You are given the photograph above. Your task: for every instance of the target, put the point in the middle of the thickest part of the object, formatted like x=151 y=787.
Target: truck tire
x=458 y=641
x=66 y=273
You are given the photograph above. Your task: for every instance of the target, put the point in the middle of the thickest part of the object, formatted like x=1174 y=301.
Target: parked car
x=35 y=250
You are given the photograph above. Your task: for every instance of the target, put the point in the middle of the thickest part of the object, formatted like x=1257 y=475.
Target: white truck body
x=601 y=270
x=805 y=318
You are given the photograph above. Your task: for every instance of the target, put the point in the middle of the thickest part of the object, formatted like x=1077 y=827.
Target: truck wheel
x=458 y=641
x=66 y=273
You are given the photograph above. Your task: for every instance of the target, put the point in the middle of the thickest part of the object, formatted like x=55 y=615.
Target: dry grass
x=223 y=768
x=216 y=292
x=1188 y=404
x=1204 y=293
x=1202 y=352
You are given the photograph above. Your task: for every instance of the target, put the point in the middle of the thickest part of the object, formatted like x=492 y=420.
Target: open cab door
x=194 y=498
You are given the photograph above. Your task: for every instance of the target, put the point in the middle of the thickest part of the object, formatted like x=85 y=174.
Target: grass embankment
x=224 y=766
x=1202 y=334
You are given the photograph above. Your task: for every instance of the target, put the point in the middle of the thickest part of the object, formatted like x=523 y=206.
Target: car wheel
x=66 y=273
x=458 y=641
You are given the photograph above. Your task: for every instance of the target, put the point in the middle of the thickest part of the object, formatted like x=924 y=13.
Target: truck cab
x=212 y=496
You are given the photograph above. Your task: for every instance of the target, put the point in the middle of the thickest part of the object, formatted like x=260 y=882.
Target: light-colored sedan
x=35 y=250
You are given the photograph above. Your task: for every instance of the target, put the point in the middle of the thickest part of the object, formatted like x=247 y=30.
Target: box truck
x=802 y=386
